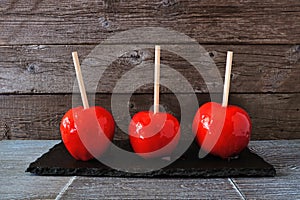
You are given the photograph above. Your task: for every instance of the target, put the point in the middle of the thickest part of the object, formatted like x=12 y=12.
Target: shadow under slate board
x=58 y=162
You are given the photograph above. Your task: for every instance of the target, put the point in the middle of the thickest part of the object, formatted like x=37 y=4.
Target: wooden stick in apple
x=154 y=134
x=156 y=78
x=80 y=80
x=234 y=122
x=227 y=78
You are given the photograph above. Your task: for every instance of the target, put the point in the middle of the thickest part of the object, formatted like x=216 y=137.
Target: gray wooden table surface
x=16 y=155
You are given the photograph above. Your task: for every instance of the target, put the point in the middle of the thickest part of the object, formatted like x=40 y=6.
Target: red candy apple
x=222 y=131
x=92 y=128
x=154 y=135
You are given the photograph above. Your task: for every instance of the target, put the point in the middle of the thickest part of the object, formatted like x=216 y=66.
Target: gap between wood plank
x=65 y=188
x=143 y=93
x=235 y=186
x=187 y=43
x=153 y=43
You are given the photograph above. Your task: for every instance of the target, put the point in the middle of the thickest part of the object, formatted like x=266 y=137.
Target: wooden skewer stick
x=156 y=79
x=227 y=78
x=80 y=80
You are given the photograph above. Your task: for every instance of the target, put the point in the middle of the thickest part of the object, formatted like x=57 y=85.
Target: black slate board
x=59 y=162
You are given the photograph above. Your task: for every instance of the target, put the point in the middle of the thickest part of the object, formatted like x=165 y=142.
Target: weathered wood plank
x=121 y=188
x=285 y=157
x=15 y=184
x=283 y=154
x=65 y=22
x=49 y=69
x=15 y=157
x=274 y=116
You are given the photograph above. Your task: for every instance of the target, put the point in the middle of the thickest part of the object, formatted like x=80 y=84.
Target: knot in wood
x=294 y=54
x=7 y=134
x=212 y=54
x=104 y=22
x=131 y=105
x=168 y=3
x=32 y=68
x=136 y=57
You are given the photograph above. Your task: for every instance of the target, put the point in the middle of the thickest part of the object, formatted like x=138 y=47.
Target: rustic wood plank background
x=37 y=74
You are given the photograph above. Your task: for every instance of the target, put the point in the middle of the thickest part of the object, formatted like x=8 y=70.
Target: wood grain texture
x=15 y=157
x=133 y=188
x=37 y=38
x=49 y=69
x=65 y=22
x=15 y=184
x=38 y=116
x=284 y=155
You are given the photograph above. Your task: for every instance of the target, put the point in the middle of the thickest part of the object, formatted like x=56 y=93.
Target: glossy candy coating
x=223 y=131
x=154 y=135
x=96 y=127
